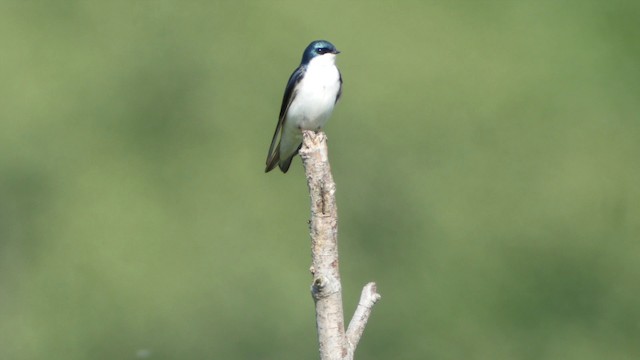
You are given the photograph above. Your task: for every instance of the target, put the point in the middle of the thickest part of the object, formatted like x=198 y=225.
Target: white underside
x=313 y=104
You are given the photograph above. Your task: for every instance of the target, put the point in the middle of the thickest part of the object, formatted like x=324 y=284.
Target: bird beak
x=337 y=52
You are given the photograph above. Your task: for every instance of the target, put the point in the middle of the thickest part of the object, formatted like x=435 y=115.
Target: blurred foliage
x=486 y=156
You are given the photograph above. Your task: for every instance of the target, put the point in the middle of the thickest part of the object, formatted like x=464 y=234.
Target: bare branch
x=326 y=288
x=368 y=298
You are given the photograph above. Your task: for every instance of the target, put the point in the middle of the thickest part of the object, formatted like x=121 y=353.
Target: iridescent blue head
x=318 y=48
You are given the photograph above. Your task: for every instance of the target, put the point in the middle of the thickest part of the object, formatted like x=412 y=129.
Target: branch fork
x=326 y=289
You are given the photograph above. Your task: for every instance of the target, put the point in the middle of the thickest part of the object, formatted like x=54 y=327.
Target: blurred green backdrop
x=486 y=156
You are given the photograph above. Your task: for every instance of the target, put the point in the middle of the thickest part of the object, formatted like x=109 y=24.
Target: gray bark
x=326 y=288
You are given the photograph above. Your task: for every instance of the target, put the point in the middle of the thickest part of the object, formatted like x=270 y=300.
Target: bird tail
x=274 y=160
x=284 y=164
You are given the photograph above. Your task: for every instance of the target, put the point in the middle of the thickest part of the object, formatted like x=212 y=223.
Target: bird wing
x=289 y=94
x=340 y=89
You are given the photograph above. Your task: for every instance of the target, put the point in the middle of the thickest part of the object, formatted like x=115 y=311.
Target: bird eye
x=322 y=51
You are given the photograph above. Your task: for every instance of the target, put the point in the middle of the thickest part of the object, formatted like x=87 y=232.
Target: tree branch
x=368 y=298
x=326 y=288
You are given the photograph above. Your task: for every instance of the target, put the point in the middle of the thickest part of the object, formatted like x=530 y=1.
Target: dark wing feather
x=339 y=90
x=289 y=94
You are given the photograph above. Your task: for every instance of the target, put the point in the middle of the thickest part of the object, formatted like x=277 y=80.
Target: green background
x=486 y=155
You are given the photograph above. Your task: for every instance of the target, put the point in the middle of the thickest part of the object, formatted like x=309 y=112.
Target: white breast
x=316 y=94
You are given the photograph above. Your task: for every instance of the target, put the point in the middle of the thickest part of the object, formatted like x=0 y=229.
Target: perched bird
x=311 y=93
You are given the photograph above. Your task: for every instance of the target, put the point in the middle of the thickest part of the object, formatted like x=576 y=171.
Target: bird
x=309 y=98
